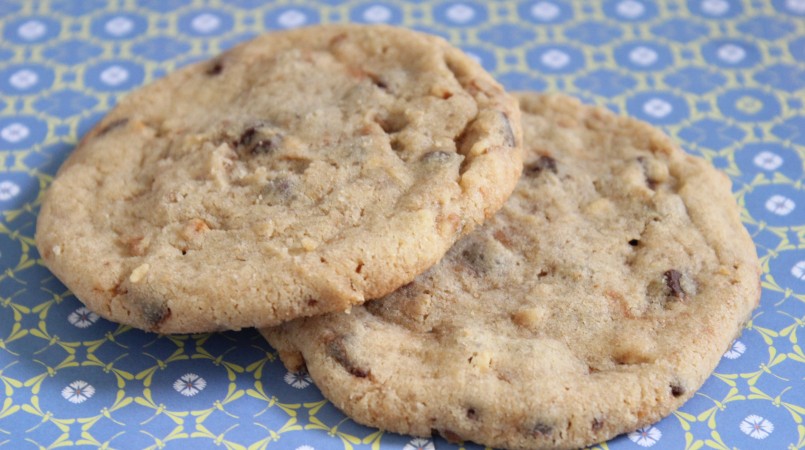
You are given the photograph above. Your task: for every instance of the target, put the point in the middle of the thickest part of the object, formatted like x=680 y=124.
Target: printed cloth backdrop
x=726 y=79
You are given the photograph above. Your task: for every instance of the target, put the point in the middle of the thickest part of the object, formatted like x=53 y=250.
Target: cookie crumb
x=528 y=318
x=139 y=273
x=481 y=360
x=308 y=244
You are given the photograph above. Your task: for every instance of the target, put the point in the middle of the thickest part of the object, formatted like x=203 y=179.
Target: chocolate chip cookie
x=596 y=301
x=302 y=172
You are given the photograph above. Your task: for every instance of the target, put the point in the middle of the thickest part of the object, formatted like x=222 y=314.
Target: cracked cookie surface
x=596 y=301
x=302 y=172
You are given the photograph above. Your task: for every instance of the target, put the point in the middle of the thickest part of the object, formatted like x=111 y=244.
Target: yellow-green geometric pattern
x=725 y=78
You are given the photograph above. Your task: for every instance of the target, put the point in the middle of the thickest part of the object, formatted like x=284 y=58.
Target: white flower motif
x=305 y=447
x=643 y=56
x=630 y=9
x=32 y=29
x=736 y=350
x=14 y=132
x=780 y=205
x=292 y=18
x=82 y=317
x=206 y=23
x=796 y=6
x=545 y=11
x=377 y=14
x=768 y=160
x=23 y=79
x=419 y=444
x=114 y=75
x=731 y=53
x=189 y=384
x=756 y=427
x=657 y=107
x=646 y=436
x=555 y=59
x=299 y=380
x=78 y=391
x=715 y=7
x=798 y=270
x=8 y=190
x=119 y=26
x=460 y=13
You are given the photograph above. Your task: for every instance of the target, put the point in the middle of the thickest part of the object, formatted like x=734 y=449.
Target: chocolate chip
x=247 y=136
x=673 y=280
x=259 y=139
x=677 y=390
x=216 y=67
x=537 y=167
x=119 y=123
x=508 y=133
x=597 y=424
x=634 y=242
x=541 y=429
x=471 y=414
x=378 y=82
x=451 y=436
x=154 y=313
x=338 y=351
x=119 y=289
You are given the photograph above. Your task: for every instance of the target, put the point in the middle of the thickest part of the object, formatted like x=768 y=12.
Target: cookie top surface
x=302 y=172
x=597 y=300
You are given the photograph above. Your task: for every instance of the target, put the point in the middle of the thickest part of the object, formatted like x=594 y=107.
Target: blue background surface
x=726 y=79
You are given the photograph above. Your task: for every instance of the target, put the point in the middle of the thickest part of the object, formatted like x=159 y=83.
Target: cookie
x=302 y=172
x=596 y=301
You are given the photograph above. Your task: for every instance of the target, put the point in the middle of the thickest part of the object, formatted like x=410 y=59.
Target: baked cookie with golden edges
x=302 y=172
x=596 y=301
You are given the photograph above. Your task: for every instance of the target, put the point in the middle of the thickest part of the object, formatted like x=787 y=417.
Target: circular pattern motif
x=189 y=384
x=14 y=132
x=646 y=436
x=8 y=190
x=757 y=427
x=78 y=391
x=545 y=11
x=82 y=317
x=293 y=17
x=299 y=380
x=736 y=350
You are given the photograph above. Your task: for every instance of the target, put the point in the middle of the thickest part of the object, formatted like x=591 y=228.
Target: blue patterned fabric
x=726 y=79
